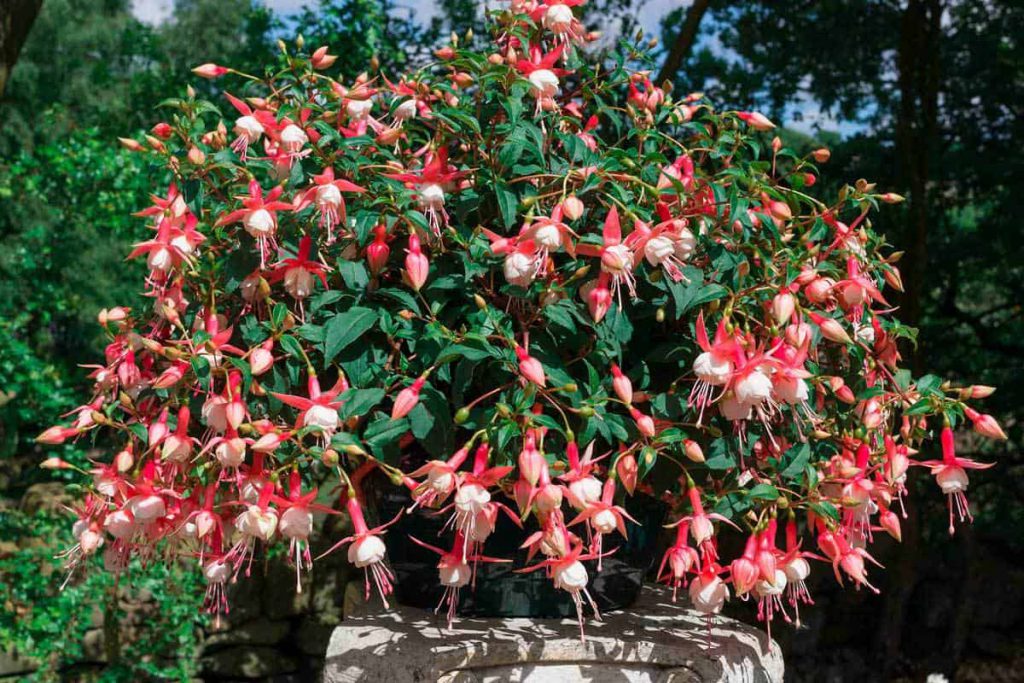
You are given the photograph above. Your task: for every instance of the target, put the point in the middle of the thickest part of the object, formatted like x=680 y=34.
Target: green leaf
x=383 y=434
x=507 y=203
x=764 y=492
x=825 y=509
x=354 y=274
x=345 y=328
x=357 y=402
x=291 y=346
x=793 y=461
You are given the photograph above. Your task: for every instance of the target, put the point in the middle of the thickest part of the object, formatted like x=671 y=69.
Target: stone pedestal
x=654 y=641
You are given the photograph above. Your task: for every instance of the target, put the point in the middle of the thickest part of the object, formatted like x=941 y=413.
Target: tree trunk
x=684 y=41
x=16 y=18
x=916 y=129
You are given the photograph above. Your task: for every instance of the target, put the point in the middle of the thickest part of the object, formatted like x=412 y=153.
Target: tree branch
x=684 y=42
x=16 y=18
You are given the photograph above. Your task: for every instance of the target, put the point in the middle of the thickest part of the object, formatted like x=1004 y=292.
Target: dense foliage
x=518 y=254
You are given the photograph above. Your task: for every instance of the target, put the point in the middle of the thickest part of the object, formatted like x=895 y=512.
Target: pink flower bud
x=783 y=306
x=321 y=60
x=530 y=367
x=261 y=358
x=407 y=399
x=54 y=464
x=209 y=70
x=621 y=384
x=890 y=521
x=124 y=460
x=378 y=251
x=56 y=435
x=979 y=391
x=644 y=423
x=531 y=462
x=693 y=450
x=755 y=120
x=572 y=207
x=627 y=470
x=831 y=329
x=162 y=130
x=416 y=264
x=818 y=290
x=779 y=210
x=986 y=425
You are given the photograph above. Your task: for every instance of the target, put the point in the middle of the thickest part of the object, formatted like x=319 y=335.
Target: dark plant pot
x=499 y=591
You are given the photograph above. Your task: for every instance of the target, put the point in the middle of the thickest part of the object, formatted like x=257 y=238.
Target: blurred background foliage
x=924 y=97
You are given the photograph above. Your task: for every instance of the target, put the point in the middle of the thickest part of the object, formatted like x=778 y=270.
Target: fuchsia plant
x=515 y=254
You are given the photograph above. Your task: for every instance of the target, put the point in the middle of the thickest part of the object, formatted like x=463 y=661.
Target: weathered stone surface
x=654 y=641
x=261 y=631
x=248 y=662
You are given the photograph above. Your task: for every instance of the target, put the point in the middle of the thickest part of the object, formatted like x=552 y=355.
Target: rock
x=262 y=631
x=45 y=497
x=653 y=641
x=247 y=661
x=280 y=599
x=312 y=637
x=14 y=664
x=93 y=645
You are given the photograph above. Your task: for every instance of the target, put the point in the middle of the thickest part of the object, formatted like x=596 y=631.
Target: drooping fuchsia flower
x=678 y=560
x=568 y=573
x=411 y=103
x=330 y=203
x=164 y=253
x=582 y=487
x=951 y=475
x=454 y=570
x=857 y=493
x=617 y=259
x=743 y=570
x=714 y=365
x=300 y=272
x=441 y=479
x=851 y=559
x=603 y=517
x=857 y=290
x=679 y=171
x=702 y=525
x=177 y=447
x=708 y=591
x=296 y=523
x=550 y=235
x=429 y=185
x=367 y=550
x=794 y=563
x=557 y=17
x=259 y=217
x=772 y=580
x=542 y=74
x=250 y=126
x=320 y=409
x=472 y=497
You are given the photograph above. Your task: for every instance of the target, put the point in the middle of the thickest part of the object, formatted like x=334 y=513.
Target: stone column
x=655 y=641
